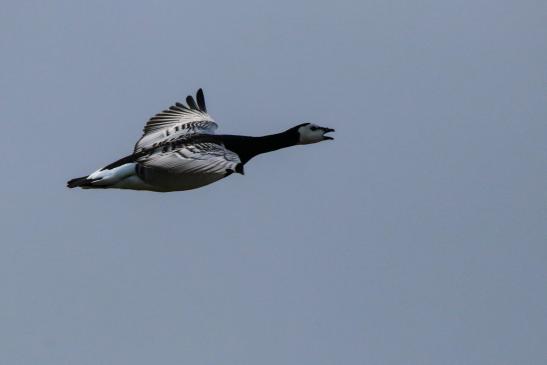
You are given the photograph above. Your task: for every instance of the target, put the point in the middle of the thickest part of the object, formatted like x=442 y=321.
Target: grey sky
x=416 y=237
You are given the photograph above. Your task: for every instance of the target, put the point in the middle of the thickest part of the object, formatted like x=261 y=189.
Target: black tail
x=79 y=181
x=85 y=182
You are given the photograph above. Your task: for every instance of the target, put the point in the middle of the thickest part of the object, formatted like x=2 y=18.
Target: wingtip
x=191 y=103
x=201 y=100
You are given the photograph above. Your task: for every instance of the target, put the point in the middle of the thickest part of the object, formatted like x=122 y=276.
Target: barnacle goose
x=179 y=150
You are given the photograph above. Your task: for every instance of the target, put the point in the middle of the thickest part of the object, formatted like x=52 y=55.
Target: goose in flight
x=179 y=150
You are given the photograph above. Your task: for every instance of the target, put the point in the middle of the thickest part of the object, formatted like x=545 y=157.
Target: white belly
x=125 y=177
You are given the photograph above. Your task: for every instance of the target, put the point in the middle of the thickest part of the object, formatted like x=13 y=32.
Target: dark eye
x=313 y=128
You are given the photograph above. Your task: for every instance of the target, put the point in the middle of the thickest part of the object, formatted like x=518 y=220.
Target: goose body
x=179 y=150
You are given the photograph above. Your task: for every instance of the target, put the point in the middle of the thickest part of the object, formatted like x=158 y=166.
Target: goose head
x=312 y=133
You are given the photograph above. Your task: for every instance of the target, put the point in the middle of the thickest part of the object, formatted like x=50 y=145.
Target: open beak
x=327 y=130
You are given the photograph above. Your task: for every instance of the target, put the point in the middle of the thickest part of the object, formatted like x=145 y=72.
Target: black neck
x=249 y=147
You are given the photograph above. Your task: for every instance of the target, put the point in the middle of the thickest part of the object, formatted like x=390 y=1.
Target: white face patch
x=311 y=133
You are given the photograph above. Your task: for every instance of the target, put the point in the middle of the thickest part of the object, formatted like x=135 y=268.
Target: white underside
x=125 y=177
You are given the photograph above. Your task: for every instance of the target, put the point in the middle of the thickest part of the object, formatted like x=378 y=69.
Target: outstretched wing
x=177 y=121
x=198 y=158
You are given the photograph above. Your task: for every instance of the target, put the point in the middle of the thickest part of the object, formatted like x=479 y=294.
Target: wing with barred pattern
x=177 y=121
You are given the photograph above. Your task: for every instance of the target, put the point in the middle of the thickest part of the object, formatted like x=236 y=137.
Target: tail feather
x=79 y=182
x=105 y=174
x=106 y=177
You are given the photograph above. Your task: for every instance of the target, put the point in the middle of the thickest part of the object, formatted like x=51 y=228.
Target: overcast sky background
x=418 y=236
